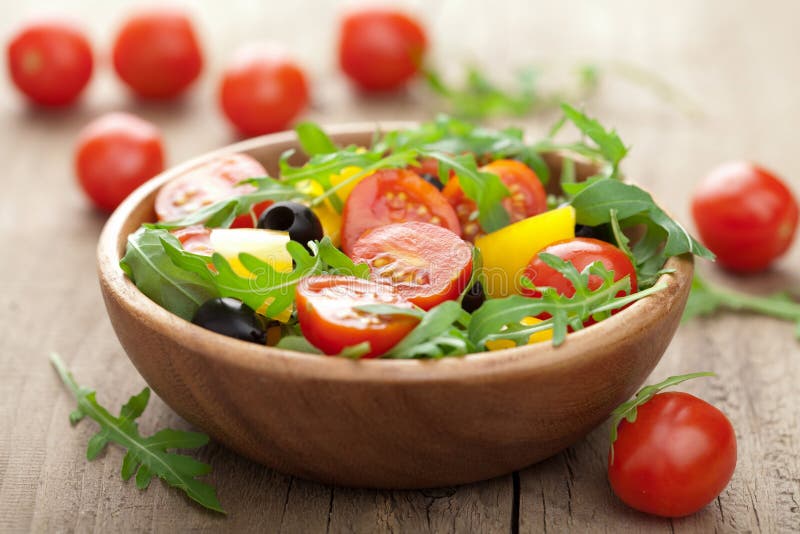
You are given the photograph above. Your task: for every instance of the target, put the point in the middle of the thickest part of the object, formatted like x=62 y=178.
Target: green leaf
x=145 y=457
x=148 y=265
x=313 y=139
x=297 y=344
x=609 y=143
x=628 y=409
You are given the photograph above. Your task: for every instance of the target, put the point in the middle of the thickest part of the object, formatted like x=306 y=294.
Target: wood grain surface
x=736 y=59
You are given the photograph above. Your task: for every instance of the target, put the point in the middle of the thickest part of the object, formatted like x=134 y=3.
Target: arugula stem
x=65 y=375
x=763 y=305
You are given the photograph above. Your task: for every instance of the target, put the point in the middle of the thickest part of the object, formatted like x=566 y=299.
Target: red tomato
x=390 y=196
x=581 y=252
x=262 y=90
x=426 y=264
x=325 y=310
x=209 y=183
x=746 y=215
x=675 y=458
x=195 y=239
x=528 y=196
x=380 y=49
x=50 y=62
x=156 y=53
x=115 y=154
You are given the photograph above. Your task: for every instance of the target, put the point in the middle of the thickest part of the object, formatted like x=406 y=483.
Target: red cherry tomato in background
x=156 y=53
x=677 y=456
x=50 y=62
x=208 y=183
x=325 y=311
x=527 y=195
x=393 y=196
x=381 y=49
x=426 y=264
x=262 y=90
x=746 y=215
x=115 y=154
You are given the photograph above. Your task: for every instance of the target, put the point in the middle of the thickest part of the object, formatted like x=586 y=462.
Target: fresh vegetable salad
x=436 y=241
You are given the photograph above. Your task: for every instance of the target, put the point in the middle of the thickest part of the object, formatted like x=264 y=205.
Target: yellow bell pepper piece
x=346 y=173
x=330 y=220
x=508 y=251
x=536 y=337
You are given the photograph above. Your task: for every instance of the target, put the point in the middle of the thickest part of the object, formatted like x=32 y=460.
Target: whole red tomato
x=50 y=62
x=380 y=49
x=746 y=215
x=115 y=154
x=262 y=90
x=156 y=53
x=677 y=456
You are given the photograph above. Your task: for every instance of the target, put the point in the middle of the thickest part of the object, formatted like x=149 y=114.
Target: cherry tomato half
x=156 y=53
x=325 y=310
x=115 y=154
x=391 y=196
x=528 y=197
x=50 y=62
x=746 y=215
x=209 y=183
x=380 y=49
x=426 y=264
x=677 y=456
x=262 y=90
x=195 y=239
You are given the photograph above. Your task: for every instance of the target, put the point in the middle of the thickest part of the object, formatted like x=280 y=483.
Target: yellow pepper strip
x=536 y=337
x=330 y=220
x=508 y=251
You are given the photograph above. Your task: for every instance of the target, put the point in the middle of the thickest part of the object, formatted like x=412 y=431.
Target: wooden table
x=738 y=60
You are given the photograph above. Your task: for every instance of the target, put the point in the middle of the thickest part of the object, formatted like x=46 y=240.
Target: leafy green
x=628 y=410
x=608 y=142
x=706 y=299
x=171 y=286
x=313 y=139
x=500 y=318
x=146 y=457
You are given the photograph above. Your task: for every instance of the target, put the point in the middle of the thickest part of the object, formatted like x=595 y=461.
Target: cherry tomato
x=426 y=264
x=380 y=49
x=581 y=252
x=746 y=215
x=325 y=310
x=209 y=183
x=675 y=458
x=195 y=239
x=527 y=198
x=50 y=62
x=391 y=196
x=156 y=53
x=115 y=154
x=262 y=90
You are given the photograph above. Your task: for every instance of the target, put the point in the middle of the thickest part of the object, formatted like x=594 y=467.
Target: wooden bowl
x=382 y=423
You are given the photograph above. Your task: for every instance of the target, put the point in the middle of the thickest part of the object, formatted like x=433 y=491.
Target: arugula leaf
x=146 y=457
x=611 y=146
x=313 y=139
x=148 y=265
x=499 y=318
x=628 y=410
x=706 y=299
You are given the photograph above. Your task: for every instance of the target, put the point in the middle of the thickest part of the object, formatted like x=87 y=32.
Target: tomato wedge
x=195 y=239
x=426 y=264
x=329 y=321
x=528 y=196
x=209 y=183
x=392 y=196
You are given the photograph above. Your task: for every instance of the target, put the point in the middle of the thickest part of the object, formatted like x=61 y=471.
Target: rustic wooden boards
x=737 y=59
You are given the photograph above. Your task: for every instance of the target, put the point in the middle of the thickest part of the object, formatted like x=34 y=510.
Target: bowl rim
x=539 y=357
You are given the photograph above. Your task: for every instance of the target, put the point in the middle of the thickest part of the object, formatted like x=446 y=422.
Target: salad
x=441 y=240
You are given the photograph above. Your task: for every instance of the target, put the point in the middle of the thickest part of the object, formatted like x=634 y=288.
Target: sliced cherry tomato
x=329 y=321
x=746 y=215
x=527 y=198
x=50 y=62
x=195 y=239
x=426 y=264
x=677 y=456
x=391 y=196
x=380 y=49
x=209 y=183
x=156 y=53
x=262 y=90
x=115 y=154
